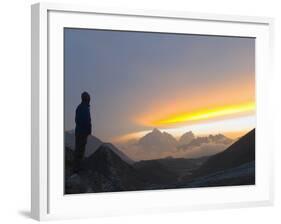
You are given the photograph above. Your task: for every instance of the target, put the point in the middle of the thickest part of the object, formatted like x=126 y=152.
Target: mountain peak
x=92 y=142
x=156 y=139
x=156 y=130
x=106 y=154
x=186 y=138
x=105 y=147
x=108 y=171
x=189 y=133
x=220 y=138
x=109 y=148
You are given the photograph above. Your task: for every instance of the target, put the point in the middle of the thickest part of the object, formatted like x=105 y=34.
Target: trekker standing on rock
x=82 y=130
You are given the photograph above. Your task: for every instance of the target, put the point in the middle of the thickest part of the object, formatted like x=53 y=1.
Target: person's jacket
x=83 y=119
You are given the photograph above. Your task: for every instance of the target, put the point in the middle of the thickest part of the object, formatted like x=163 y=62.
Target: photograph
x=157 y=110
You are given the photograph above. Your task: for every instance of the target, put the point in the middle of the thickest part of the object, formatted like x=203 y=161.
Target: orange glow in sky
x=230 y=127
x=205 y=114
x=231 y=120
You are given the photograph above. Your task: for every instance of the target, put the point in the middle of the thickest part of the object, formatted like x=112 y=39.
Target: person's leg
x=80 y=146
x=77 y=152
x=83 y=146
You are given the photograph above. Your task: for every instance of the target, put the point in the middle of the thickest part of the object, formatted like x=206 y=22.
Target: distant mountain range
x=107 y=169
x=162 y=140
x=186 y=138
x=215 y=139
x=157 y=144
x=158 y=140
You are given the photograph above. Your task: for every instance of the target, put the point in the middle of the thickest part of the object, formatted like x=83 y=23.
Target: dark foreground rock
x=109 y=170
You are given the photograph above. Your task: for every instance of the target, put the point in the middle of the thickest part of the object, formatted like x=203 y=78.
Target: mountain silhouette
x=108 y=169
x=157 y=140
x=93 y=143
x=186 y=138
x=220 y=138
x=240 y=152
x=105 y=171
x=211 y=139
x=157 y=144
x=122 y=155
x=110 y=172
x=234 y=166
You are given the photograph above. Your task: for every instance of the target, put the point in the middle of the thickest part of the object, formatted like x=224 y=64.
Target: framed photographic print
x=148 y=111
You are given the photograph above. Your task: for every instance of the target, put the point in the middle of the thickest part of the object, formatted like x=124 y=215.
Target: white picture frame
x=48 y=201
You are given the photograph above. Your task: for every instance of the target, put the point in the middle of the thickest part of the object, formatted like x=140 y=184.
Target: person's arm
x=89 y=121
x=76 y=116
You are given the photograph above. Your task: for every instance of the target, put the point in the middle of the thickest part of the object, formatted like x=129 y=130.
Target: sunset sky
x=175 y=82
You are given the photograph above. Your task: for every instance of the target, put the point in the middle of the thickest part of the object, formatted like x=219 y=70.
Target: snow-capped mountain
x=157 y=140
x=186 y=138
x=218 y=139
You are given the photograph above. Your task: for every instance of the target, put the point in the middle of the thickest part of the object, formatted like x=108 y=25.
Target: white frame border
x=39 y=70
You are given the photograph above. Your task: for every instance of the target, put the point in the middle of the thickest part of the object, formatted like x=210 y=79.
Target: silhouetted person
x=82 y=130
